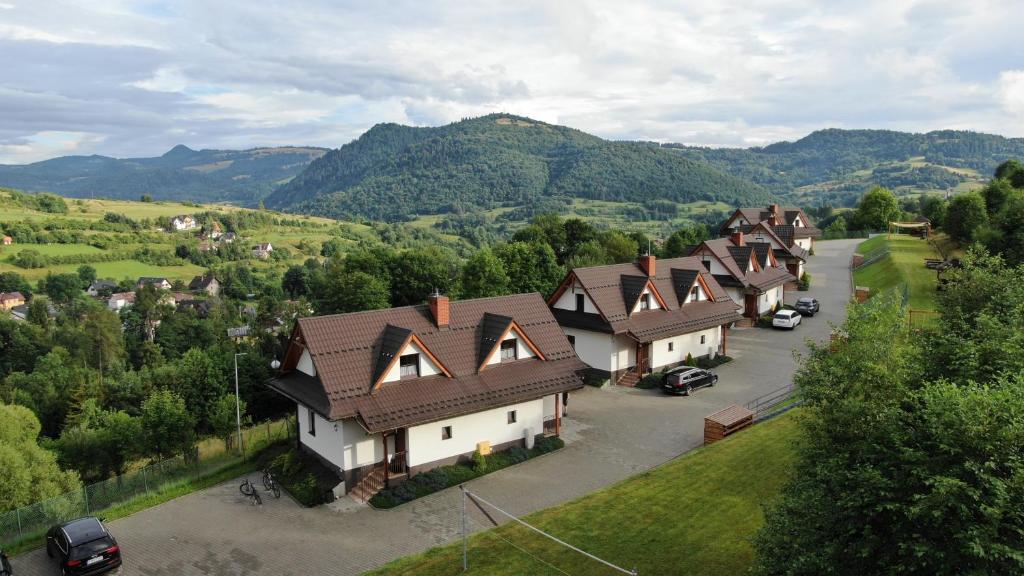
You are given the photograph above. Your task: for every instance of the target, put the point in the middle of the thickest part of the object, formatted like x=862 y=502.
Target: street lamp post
x=238 y=406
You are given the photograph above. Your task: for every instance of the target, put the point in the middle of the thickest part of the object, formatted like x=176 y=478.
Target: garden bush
x=652 y=380
x=479 y=462
x=805 y=282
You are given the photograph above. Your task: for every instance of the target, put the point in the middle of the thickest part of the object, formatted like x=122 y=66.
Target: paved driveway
x=611 y=434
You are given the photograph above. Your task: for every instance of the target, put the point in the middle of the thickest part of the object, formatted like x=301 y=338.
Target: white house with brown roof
x=747 y=269
x=9 y=300
x=626 y=320
x=788 y=222
x=183 y=222
x=387 y=393
x=262 y=250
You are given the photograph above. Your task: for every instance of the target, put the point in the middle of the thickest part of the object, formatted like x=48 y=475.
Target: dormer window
x=695 y=294
x=508 y=350
x=580 y=303
x=409 y=366
x=645 y=302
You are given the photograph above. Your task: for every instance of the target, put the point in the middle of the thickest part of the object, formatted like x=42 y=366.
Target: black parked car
x=83 y=547
x=807 y=306
x=685 y=379
x=5 y=565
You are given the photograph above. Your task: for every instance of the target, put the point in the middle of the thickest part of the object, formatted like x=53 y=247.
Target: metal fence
x=92 y=499
x=774 y=403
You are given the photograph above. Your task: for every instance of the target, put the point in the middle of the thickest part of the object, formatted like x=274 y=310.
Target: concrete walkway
x=611 y=434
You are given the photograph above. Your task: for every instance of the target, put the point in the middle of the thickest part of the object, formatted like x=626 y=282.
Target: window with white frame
x=671 y=346
x=512 y=416
x=311 y=426
x=508 y=350
x=446 y=432
x=703 y=338
x=409 y=366
x=645 y=302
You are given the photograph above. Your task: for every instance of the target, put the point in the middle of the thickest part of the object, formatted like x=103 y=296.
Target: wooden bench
x=726 y=421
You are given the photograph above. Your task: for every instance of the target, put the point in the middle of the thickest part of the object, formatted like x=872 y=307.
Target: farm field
x=301 y=237
x=695 y=514
x=903 y=265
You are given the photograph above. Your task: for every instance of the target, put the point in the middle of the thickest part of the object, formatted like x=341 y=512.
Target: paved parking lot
x=610 y=434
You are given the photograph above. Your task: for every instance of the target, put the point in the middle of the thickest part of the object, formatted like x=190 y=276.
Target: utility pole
x=238 y=406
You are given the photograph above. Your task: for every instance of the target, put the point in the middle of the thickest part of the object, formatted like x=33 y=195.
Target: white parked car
x=786 y=319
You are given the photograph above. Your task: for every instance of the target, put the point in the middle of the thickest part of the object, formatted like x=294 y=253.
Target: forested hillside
x=240 y=176
x=836 y=166
x=395 y=172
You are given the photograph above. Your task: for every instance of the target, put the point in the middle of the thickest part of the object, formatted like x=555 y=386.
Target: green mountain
x=395 y=172
x=241 y=176
x=835 y=166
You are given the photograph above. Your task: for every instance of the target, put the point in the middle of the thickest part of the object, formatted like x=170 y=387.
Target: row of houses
x=384 y=394
x=215 y=235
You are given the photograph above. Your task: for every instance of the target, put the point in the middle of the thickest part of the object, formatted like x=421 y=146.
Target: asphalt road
x=610 y=434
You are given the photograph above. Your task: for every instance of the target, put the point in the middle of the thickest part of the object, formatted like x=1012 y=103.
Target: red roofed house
x=790 y=223
x=626 y=320
x=747 y=268
x=8 y=240
x=9 y=300
x=387 y=393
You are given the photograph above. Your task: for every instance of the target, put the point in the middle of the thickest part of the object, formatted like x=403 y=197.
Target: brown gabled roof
x=348 y=351
x=608 y=290
x=787 y=215
x=728 y=253
x=11 y=296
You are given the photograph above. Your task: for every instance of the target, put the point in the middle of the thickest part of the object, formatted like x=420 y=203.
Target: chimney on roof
x=737 y=238
x=439 y=309
x=774 y=218
x=647 y=264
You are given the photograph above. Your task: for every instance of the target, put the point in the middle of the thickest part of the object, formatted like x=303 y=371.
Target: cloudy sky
x=126 y=78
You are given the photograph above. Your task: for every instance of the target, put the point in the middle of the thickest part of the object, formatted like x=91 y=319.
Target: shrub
x=432 y=480
x=689 y=360
x=805 y=282
x=544 y=444
x=708 y=363
x=458 y=473
x=307 y=491
x=652 y=380
x=479 y=462
x=517 y=454
x=286 y=464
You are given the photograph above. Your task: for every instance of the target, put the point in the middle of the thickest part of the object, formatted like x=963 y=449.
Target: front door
x=643 y=352
x=750 y=306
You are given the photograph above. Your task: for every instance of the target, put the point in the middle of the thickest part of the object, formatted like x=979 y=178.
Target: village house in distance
x=387 y=393
x=626 y=320
x=789 y=223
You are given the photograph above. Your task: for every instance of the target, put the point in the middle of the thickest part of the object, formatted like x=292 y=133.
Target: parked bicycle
x=249 y=489
x=270 y=484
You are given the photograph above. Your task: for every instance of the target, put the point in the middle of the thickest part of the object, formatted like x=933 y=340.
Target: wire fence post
x=17 y=512
x=85 y=491
x=145 y=482
x=465 y=557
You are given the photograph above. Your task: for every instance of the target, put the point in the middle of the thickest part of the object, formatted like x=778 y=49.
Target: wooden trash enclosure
x=726 y=421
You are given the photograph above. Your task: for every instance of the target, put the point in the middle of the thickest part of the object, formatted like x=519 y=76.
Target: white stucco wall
x=700 y=294
x=716 y=266
x=804 y=243
x=327 y=442
x=359 y=448
x=567 y=301
x=685 y=344
x=594 y=348
x=653 y=301
x=766 y=302
x=736 y=294
x=425 y=443
x=549 y=406
x=427 y=368
x=624 y=353
x=522 y=350
x=305 y=364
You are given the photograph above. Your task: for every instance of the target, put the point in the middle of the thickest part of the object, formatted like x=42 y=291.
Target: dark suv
x=5 y=565
x=807 y=306
x=83 y=546
x=685 y=379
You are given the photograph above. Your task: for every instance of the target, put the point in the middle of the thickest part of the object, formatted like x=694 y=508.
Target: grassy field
x=693 y=515
x=903 y=265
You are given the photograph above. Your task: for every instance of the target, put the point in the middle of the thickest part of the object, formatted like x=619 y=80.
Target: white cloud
x=715 y=72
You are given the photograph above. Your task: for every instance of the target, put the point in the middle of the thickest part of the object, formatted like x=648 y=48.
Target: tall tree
x=530 y=267
x=876 y=209
x=422 y=271
x=167 y=426
x=483 y=275
x=966 y=213
x=342 y=291
x=30 y=473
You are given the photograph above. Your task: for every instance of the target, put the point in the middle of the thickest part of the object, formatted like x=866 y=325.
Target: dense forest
x=240 y=176
x=838 y=165
x=394 y=172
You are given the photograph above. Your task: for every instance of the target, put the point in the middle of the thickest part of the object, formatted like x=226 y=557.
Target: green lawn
x=117 y=270
x=50 y=249
x=693 y=515
x=904 y=264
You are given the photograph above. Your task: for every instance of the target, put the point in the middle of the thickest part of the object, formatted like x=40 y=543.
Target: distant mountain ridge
x=241 y=176
x=393 y=172
x=835 y=166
